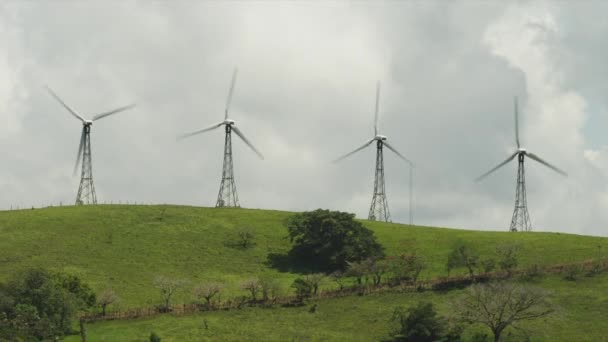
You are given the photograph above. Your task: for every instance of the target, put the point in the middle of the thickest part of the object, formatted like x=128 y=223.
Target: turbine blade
x=115 y=111
x=516 y=123
x=377 y=107
x=229 y=100
x=183 y=136
x=397 y=153
x=79 y=156
x=538 y=159
x=496 y=168
x=76 y=115
x=240 y=134
x=355 y=151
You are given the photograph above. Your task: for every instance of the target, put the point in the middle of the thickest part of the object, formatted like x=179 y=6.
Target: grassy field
x=582 y=308
x=126 y=247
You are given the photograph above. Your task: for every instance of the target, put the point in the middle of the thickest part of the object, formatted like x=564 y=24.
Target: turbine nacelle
x=522 y=150
x=228 y=122
x=87 y=122
x=380 y=137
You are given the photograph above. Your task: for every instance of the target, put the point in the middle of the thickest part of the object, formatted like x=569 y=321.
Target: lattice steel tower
x=227 y=196
x=86 y=189
x=520 y=221
x=378 y=210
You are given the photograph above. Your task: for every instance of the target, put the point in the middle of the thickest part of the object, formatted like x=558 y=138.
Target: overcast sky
x=305 y=95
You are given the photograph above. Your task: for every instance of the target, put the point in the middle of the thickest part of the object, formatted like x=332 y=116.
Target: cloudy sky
x=305 y=95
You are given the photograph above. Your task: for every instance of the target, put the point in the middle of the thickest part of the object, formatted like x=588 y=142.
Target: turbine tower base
x=379 y=208
x=520 y=222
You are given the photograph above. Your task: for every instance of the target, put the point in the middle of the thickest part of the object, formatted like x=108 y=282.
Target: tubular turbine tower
x=227 y=195
x=520 y=221
x=86 y=190
x=379 y=210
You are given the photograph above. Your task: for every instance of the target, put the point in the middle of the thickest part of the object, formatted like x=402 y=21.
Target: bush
x=533 y=272
x=418 y=324
x=245 y=238
x=154 y=337
x=508 y=258
x=572 y=272
x=405 y=267
x=331 y=239
x=463 y=255
x=303 y=289
x=487 y=265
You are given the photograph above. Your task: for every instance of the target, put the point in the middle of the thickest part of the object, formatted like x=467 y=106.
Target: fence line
x=439 y=284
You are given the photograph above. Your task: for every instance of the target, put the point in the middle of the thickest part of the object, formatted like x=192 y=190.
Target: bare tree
x=253 y=286
x=500 y=305
x=168 y=287
x=315 y=280
x=338 y=277
x=207 y=291
x=106 y=298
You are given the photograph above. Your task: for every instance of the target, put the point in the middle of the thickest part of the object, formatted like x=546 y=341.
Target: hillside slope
x=125 y=247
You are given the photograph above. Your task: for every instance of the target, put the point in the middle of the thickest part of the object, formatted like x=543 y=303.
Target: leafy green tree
x=405 y=267
x=419 y=323
x=463 y=255
x=331 y=239
x=39 y=305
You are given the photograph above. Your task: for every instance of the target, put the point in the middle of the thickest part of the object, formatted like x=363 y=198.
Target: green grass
x=126 y=247
x=582 y=308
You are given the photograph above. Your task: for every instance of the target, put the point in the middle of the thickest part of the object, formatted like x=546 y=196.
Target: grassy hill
x=125 y=247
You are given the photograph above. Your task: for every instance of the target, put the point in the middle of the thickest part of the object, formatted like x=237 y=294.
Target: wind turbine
x=520 y=220
x=86 y=189
x=378 y=210
x=227 y=196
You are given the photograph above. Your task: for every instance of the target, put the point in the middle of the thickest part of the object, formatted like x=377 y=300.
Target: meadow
x=581 y=311
x=124 y=248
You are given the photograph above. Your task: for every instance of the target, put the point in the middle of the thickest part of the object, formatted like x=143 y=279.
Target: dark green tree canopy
x=330 y=239
x=39 y=305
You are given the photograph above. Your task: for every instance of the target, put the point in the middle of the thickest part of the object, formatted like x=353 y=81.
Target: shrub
x=418 y=324
x=303 y=289
x=487 y=265
x=245 y=238
x=405 y=267
x=572 y=272
x=154 y=337
x=508 y=258
x=463 y=255
x=533 y=272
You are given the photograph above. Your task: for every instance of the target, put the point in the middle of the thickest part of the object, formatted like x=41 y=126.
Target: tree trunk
x=497 y=335
x=103 y=310
x=83 y=331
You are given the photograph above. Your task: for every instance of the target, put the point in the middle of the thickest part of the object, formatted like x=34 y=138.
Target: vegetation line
x=438 y=284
